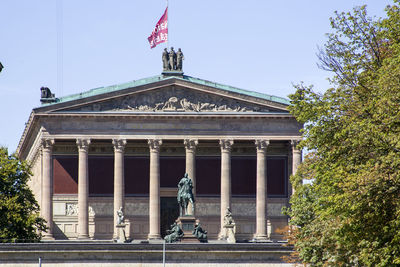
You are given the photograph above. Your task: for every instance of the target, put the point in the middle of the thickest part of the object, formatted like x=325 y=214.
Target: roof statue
x=179 y=60
x=46 y=96
x=165 y=60
x=172 y=61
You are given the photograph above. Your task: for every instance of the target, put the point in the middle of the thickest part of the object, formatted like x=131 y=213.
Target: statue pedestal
x=121 y=233
x=169 y=73
x=230 y=233
x=187 y=223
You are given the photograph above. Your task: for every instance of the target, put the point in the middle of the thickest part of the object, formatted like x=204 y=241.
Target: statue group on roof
x=172 y=61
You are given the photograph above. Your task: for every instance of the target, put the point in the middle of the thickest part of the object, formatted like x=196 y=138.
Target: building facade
x=128 y=146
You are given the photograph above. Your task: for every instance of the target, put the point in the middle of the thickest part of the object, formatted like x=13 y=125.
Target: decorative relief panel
x=175 y=99
x=73 y=210
x=275 y=209
x=204 y=209
x=244 y=209
x=137 y=209
x=103 y=208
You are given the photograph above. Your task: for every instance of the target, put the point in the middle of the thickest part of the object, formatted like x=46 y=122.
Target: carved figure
x=72 y=209
x=179 y=60
x=92 y=213
x=171 y=104
x=172 y=59
x=185 y=195
x=165 y=58
x=120 y=218
x=174 y=234
x=46 y=93
x=179 y=100
x=200 y=233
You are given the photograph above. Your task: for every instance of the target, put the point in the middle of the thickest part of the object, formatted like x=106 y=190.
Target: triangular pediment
x=171 y=96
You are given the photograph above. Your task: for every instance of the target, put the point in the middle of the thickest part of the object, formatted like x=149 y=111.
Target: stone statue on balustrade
x=174 y=234
x=121 y=227
x=120 y=216
x=185 y=195
x=229 y=228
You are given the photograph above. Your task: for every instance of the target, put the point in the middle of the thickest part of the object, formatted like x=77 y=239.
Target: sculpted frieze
x=177 y=100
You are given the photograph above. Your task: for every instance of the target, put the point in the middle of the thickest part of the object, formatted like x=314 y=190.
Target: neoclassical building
x=128 y=145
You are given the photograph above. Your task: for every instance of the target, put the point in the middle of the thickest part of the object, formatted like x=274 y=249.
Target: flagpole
x=167 y=24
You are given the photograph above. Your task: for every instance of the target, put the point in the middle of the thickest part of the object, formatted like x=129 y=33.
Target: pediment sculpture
x=183 y=100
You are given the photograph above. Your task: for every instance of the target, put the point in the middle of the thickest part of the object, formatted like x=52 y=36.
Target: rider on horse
x=185 y=194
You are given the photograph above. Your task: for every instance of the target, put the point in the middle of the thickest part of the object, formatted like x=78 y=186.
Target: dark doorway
x=169 y=213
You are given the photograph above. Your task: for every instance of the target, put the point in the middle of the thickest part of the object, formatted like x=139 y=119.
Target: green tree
x=19 y=211
x=350 y=214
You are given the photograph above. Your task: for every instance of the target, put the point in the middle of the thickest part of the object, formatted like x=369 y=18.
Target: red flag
x=160 y=32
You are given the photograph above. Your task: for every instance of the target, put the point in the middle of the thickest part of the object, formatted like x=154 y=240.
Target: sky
x=73 y=46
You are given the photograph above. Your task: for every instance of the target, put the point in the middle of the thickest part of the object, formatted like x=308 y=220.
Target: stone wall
x=137 y=216
x=136 y=254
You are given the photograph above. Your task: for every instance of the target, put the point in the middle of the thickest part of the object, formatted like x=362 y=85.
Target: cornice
x=168 y=115
x=28 y=126
x=87 y=100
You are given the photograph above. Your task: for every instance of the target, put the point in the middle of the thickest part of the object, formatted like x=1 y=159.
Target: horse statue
x=185 y=195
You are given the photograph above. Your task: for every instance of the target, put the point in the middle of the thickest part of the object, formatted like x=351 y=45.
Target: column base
x=48 y=237
x=261 y=239
x=154 y=237
x=83 y=237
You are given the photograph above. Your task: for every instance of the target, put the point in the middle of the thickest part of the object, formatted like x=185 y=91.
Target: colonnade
x=83 y=144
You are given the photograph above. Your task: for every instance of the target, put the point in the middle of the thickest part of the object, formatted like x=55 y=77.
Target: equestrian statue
x=185 y=195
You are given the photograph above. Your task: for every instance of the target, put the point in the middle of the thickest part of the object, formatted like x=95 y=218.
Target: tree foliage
x=350 y=214
x=19 y=218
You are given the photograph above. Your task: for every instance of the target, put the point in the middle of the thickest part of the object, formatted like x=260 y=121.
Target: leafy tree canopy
x=350 y=214
x=19 y=217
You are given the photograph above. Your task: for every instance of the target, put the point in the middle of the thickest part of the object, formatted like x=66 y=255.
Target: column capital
x=190 y=144
x=83 y=144
x=226 y=145
x=154 y=145
x=47 y=143
x=294 y=143
x=261 y=145
x=119 y=144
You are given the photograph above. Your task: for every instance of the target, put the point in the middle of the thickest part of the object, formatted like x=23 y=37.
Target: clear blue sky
x=259 y=45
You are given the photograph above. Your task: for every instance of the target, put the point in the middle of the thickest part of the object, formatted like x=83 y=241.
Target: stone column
x=261 y=197
x=83 y=188
x=190 y=146
x=119 y=183
x=47 y=186
x=226 y=145
x=296 y=157
x=154 y=193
